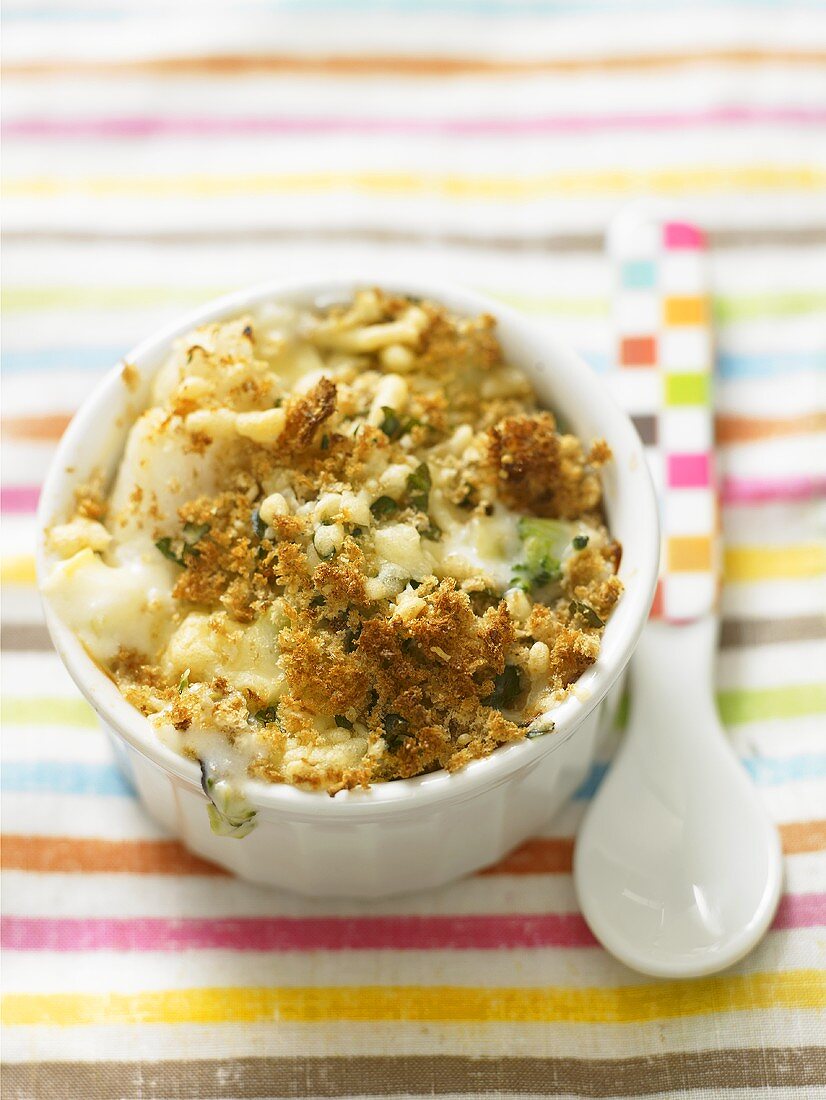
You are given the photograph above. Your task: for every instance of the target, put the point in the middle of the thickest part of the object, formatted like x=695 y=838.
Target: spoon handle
x=677 y=866
x=664 y=356
x=672 y=695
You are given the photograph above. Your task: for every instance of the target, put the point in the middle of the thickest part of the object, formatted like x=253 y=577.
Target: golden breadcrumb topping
x=344 y=546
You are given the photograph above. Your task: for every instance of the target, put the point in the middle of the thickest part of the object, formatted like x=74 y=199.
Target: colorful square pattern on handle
x=664 y=357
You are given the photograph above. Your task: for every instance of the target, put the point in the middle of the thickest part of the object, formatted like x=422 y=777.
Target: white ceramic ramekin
x=414 y=833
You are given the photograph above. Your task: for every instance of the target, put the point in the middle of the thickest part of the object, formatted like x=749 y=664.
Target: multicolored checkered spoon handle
x=663 y=379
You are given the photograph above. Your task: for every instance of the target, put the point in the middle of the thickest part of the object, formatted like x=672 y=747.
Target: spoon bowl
x=677 y=867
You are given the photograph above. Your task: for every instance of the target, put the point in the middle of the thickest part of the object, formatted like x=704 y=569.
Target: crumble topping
x=343 y=546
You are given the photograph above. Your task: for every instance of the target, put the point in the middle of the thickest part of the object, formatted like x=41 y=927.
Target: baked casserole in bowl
x=347 y=569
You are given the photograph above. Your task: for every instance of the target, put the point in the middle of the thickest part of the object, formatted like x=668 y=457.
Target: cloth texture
x=157 y=154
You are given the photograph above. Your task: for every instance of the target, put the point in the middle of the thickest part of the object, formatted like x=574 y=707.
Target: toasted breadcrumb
x=339 y=630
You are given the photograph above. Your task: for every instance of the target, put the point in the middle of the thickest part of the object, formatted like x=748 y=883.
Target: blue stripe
x=732 y=367
x=430 y=7
x=72 y=777
x=765 y=771
x=63 y=777
x=770 y=771
x=66 y=359
x=590 y=784
x=729 y=366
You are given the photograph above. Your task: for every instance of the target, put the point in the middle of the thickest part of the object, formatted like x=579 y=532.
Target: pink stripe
x=688 y=471
x=800 y=911
x=481 y=933
x=453 y=933
x=679 y=235
x=756 y=490
x=21 y=499
x=18 y=499
x=141 y=126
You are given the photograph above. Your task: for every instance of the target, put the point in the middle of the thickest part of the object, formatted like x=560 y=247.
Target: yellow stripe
x=689 y=553
x=17 y=570
x=685 y=311
x=406 y=184
x=765 y=563
x=24 y=297
x=626 y=1004
x=742 y=563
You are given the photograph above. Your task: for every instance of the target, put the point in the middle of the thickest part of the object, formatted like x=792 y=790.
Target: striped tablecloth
x=158 y=153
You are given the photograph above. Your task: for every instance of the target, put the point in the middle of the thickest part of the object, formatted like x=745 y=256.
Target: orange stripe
x=799 y=837
x=689 y=553
x=638 y=351
x=404 y=64
x=539 y=856
x=61 y=855
x=49 y=428
x=750 y=429
x=729 y=429
x=554 y=855
x=686 y=311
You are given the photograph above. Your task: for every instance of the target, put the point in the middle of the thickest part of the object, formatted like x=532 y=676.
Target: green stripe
x=687 y=389
x=545 y=305
x=726 y=309
x=736 y=705
x=25 y=298
x=755 y=306
x=754 y=705
x=47 y=711
x=764 y=704
x=621 y=717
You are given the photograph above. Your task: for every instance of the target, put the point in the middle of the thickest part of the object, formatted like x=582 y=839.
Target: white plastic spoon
x=677 y=866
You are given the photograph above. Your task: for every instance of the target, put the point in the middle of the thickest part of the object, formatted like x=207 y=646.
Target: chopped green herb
x=325 y=442
x=266 y=716
x=279 y=401
x=543 y=541
x=521 y=578
x=575 y=607
x=229 y=812
x=395 y=426
x=383 y=507
x=238 y=823
x=258 y=526
x=356 y=532
x=194 y=532
x=183 y=683
x=165 y=547
x=207 y=778
x=395 y=731
x=539 y=727
x=414 y=584
x=343 y=723
x=317 y=600
x=418 y=487
x=506 y=687
x=391 y=424
x=579 y=542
